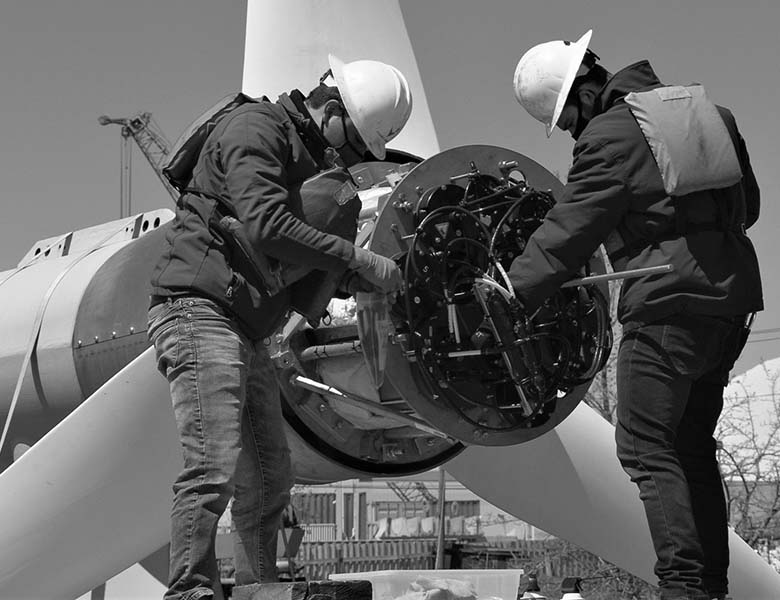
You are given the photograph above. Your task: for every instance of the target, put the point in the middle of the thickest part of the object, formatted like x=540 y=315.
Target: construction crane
x=412 y=491
x=153 y=144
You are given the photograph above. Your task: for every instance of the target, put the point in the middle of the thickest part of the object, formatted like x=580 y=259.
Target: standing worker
x=210 y=311
x=660 y=175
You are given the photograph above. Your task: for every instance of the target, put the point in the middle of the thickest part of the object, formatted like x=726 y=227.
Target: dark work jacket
x=256 y=159
x=615 y=195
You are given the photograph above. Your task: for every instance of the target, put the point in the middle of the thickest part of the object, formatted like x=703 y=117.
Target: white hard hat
x=377 y=98
x=544 y=76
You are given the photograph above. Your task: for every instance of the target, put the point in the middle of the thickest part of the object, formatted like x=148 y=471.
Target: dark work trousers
x=670 y=380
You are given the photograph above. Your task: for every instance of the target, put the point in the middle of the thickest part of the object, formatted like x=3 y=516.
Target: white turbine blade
x=93 y=496
x=288 y=42
x=133 y=583
x=569 y=482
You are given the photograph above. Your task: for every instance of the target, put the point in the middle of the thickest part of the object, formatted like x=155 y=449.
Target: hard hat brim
x=375 y=146
x=580 y=47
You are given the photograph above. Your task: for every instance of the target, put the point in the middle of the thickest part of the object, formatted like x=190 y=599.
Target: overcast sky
x=64 y=63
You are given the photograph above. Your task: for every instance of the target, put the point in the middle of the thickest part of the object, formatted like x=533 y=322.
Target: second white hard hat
x=377 y=98
x=544 y=76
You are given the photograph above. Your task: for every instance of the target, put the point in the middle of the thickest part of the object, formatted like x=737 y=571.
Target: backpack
x=185 y=152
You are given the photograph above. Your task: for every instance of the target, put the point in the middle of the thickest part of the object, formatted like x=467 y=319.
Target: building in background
x=401 y=507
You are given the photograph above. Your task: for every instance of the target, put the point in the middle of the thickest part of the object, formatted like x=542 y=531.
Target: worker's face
x=577 y=111
x=568 y=119
x=342 y=135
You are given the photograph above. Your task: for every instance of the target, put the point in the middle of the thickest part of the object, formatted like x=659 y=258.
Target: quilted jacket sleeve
x=255 y=150
x=592 y=205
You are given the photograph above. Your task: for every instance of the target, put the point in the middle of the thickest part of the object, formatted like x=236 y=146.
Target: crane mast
x=153 y=144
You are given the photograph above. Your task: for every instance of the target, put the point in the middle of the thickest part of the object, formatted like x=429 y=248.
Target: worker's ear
x=587 y=97
x=332 y=127
x=332 y=108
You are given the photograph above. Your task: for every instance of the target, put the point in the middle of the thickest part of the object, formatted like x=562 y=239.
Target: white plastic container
x=486 y=583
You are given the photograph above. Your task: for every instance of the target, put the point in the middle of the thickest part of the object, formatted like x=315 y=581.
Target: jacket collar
x=632 y=78
x=294 y=104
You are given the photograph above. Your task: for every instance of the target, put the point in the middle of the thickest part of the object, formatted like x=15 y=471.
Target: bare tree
x=749 y=454
x=602 y=394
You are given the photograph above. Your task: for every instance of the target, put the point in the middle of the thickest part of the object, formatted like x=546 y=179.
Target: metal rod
x=356 y=401
x=618 y=275
x=331 y=350
x=440 y=532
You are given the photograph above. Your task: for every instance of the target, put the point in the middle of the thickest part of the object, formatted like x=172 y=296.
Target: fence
x=553 y=557
x=319 y=532
x=319 y=559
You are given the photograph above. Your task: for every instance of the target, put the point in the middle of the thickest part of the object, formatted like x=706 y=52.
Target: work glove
x=353 y=282
x=378 y=270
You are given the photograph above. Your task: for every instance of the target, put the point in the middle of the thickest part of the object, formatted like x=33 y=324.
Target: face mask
x=582 y=122
x=350 y=154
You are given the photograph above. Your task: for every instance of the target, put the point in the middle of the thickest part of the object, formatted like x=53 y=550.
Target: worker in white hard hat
x=265 y=193
x=660 y=176
x=377 y=99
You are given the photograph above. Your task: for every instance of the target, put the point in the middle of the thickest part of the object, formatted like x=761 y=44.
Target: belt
x=156 y=299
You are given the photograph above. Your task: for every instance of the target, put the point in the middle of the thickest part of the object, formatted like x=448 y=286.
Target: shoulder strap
x=185 y=152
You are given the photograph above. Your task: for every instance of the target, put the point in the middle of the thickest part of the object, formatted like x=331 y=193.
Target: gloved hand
x=377 y=270
x=353 y=282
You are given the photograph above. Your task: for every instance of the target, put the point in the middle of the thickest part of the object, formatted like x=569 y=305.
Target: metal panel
x=21 y=297
x=59 y=386
x=110 y=328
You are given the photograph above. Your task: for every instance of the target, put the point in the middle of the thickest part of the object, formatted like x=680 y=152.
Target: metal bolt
x=417 y=300
x=97 y=339
x=113 y=334
x=132 y=329
x=430 y=442
x=79 y=343
x=321 y=408
x=395 y=452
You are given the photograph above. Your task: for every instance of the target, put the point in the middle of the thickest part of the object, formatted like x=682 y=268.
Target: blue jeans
x=226 y=403
x=670 y=380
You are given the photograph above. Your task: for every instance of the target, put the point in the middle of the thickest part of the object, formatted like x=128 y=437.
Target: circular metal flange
x=393 y=230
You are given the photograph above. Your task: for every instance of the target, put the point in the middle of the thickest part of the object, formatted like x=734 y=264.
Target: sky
x=64 y=63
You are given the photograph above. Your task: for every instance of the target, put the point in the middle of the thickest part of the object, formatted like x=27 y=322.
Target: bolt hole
x=157 y=222
x=145 y=226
